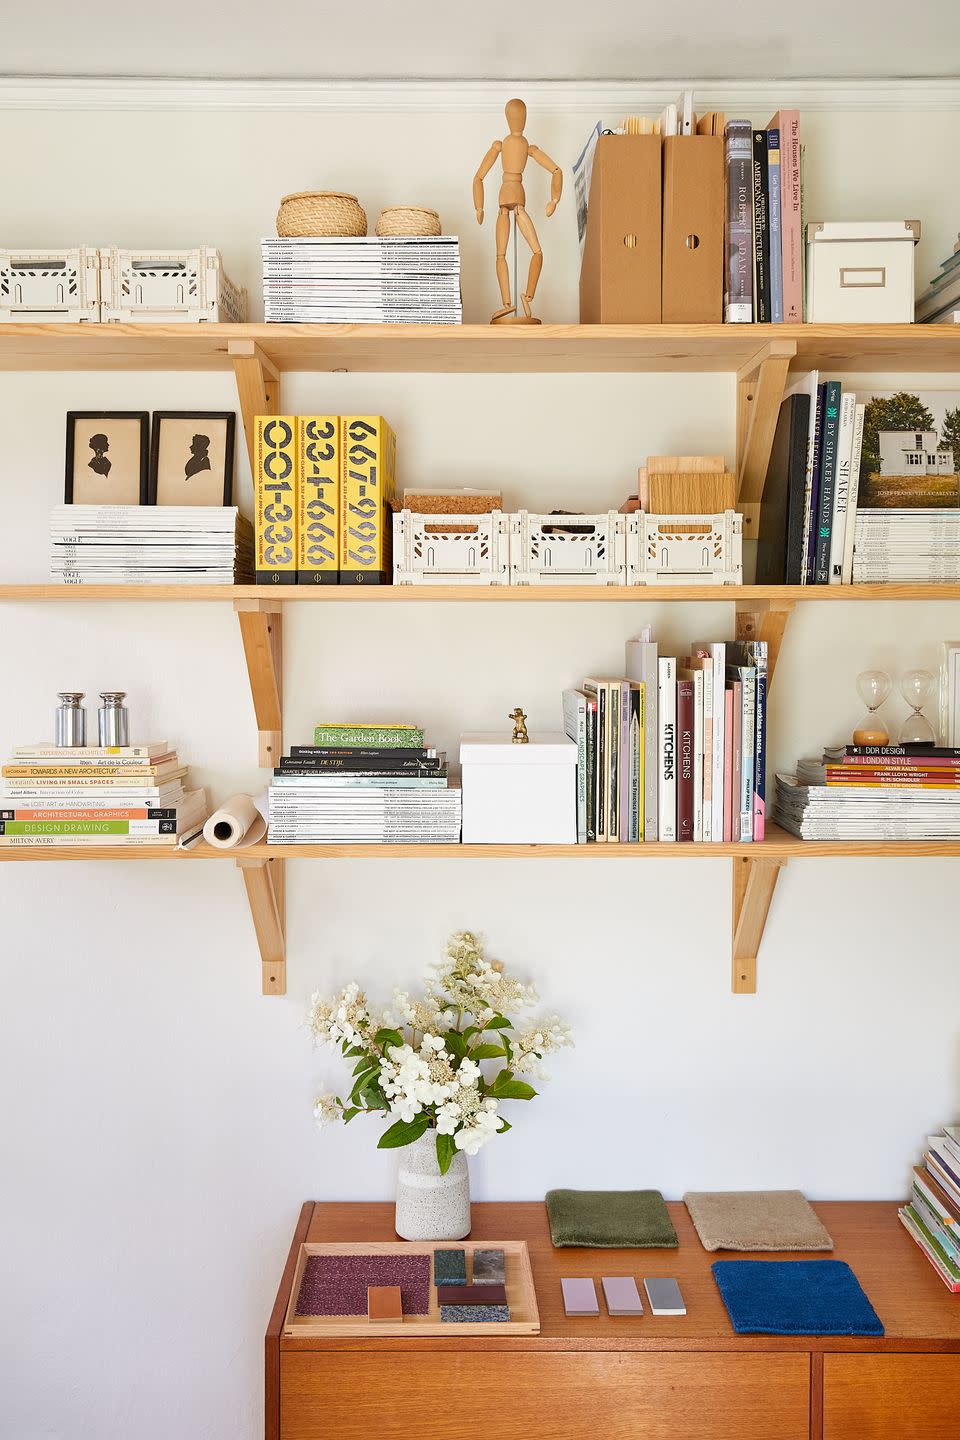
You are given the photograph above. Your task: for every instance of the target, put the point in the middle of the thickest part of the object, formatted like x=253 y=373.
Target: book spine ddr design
x=667 y=766
x=275 y=499
x=761 y=229
x=318 y=499
x=685 y=748
x=776 y=237
x=738 y=237
x=368 y=467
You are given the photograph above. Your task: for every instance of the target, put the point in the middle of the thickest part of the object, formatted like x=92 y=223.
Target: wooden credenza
x=670 y=1378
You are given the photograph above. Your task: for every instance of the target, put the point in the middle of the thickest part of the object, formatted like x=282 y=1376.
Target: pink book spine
x=727 y=763
x=791 y=233
x=737 y=697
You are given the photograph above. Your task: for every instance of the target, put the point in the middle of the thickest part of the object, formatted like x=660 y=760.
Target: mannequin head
x=516 y=115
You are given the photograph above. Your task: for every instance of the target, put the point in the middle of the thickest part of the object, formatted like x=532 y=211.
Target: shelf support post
x=264 y=881
x=258 y=386
x=261 y=629
x=754 y=882
x=764 y=620
x=760 y=385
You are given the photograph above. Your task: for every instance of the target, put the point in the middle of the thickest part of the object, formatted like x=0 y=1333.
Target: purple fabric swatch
x=337 y=1284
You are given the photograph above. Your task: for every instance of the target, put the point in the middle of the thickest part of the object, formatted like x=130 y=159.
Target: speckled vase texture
x=431 y=1206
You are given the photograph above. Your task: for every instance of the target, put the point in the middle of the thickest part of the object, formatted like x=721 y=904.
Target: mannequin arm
x=489 y=160
x=556 y=176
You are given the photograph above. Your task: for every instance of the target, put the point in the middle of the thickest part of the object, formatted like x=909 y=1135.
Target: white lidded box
x=519 y=794
x=861 y=270
x=56 y=286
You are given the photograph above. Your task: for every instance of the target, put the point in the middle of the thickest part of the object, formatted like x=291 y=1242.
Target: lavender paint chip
x=338 y=1284
x=463 y=1314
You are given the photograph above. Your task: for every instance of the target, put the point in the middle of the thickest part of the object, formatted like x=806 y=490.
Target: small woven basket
x=321 y=212
x=408 y=220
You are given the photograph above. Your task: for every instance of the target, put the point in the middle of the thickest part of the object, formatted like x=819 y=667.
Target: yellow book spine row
x=367 y=494
x=275 y=499
x=318 y=499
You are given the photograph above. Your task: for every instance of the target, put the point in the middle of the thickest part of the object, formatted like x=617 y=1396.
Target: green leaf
x=487 y=1052
x=507 y=1048
x=446 y=1150
x=353 y=1050
x=367 y=1063
x=348 y=1115
x=403 y=1133
x=499 y=1022
x=364 y=1082
x=504 y=1126
x=456 y=1045
x=387 y=1037
x=506 y=1088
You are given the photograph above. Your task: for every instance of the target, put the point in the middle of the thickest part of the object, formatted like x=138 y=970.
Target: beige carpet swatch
x=755 y=1220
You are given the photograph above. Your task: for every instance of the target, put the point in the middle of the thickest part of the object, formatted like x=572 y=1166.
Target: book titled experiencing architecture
x=878 y=792
x=931 y=1215
x=150 y=544
x=355 y=280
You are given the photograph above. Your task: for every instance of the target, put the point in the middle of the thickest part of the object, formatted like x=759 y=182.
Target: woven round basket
x=408 y=220
x=321 y=212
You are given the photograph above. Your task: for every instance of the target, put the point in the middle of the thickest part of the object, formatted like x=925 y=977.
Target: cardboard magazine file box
x=620 y=271
x=519 y=794
x=693 y=218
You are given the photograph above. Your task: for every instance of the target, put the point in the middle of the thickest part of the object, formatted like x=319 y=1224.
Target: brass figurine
x=520 y=736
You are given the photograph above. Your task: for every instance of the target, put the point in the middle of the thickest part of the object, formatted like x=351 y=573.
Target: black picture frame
x=227 y=416
x=141 y=416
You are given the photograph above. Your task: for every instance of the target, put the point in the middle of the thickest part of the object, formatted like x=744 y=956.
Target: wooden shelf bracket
x=264 y=881
x=261 y=629
x=764 y=620
x=258 y=385
x=760 y=385
x=754 y=882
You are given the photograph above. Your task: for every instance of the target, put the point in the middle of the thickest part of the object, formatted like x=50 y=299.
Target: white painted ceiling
x=499 y=39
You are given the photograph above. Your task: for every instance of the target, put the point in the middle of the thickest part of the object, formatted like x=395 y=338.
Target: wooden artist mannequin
x=514 y=151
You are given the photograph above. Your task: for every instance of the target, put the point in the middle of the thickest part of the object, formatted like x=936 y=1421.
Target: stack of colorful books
x=98 y=795
x=676 y=751
x=873 y=792
x=932 y=1214
x=375 y=784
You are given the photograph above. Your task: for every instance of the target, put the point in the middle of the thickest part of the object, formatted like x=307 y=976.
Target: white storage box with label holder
x=568 y=549
x=519 y=794
x=686 y=549
x=459 y=549
x=168 y=287
x=59 y=287
x=861 y=271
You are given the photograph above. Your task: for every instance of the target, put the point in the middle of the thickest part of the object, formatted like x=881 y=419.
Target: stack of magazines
x=377 y=281
x=150 y=544
x=873 y=792
x=918 y=546
x=932 y=1214
x=364 y=784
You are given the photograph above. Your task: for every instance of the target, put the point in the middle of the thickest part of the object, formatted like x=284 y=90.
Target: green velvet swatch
x=610 y=1219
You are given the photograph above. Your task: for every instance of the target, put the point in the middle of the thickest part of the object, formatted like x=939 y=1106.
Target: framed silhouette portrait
x=191 y=457
x=107 y=453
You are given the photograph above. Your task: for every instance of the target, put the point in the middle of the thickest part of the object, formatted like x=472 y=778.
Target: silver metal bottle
x=112 y=717
x=71 y=724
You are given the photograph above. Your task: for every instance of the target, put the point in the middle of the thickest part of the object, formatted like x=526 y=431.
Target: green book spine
x=373 y=737
x=71 y=827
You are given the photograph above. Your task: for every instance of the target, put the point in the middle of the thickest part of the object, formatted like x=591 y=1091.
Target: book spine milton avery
x=275 y=499
x=318 y=499
x=738 y=269
x=368 y=469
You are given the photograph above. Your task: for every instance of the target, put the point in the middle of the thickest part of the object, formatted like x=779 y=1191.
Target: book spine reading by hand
x=738 y=269
x=667 y=766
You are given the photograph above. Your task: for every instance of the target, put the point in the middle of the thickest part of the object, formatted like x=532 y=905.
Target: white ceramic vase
x=431 y=1206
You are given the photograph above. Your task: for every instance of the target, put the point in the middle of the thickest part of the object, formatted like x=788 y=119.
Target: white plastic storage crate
x=168 y=286
x=568 y=549
x=861 y=271
x=451 y=549
x=686 y=549
x=56 y=286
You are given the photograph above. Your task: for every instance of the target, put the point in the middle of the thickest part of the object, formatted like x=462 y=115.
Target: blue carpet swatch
x=794 y=1297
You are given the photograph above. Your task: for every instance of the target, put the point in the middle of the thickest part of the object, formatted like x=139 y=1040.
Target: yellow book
x=318 y=499
x=275 y=499
x=367 y=493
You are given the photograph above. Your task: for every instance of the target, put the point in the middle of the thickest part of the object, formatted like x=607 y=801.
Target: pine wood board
x=521 y=1294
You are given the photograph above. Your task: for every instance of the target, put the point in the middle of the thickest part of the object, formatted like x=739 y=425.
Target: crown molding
x=598 y=99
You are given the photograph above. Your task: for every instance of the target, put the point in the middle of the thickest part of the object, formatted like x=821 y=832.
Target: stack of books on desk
x=98 y=795
x=374 y=280
x=150 y=544
x=364 y=784
x=874 y=792
x=932 y=1214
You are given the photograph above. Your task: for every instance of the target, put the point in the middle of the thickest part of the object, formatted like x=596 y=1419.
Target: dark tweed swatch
x=449 y=1267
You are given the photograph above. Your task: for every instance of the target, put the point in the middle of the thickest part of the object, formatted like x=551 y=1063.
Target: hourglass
x=916 y=687
x=873 y=687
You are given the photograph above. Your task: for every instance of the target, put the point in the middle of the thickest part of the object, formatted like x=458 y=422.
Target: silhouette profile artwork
x=199 y=456
x=100 y=464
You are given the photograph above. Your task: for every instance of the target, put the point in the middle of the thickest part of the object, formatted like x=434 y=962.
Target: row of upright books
x=150 y=544
x=676 y=749
x=873 y=792
x=380 y=280
x=324 y=490
x=764 y=251
x=931 y=1216
x=98 y=795
x=364 y=784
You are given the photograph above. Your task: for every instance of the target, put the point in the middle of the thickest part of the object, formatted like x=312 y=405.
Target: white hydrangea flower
x=326 y=1108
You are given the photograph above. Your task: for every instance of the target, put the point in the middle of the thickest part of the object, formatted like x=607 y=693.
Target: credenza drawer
x=424 y=1395
x=890 y=1397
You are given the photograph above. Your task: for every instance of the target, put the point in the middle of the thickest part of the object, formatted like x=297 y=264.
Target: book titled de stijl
x=367 y=494
x=275 y=499
x=685 y=718
x=318 y=499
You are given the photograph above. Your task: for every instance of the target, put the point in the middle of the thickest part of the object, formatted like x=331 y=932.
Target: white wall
x=157 y=1139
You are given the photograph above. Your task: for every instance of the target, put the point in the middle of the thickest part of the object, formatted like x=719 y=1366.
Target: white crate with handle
x=457 y=549
x=565 y=549
x=686 y=549
x=49 y=286
x=168 y=287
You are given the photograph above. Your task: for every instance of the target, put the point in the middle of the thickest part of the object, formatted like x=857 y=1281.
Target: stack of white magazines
x=916 y=546
x=854 y=812
x=377 y=281
x=150 y=544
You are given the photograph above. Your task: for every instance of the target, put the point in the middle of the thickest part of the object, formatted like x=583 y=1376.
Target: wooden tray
x=521 y=1295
